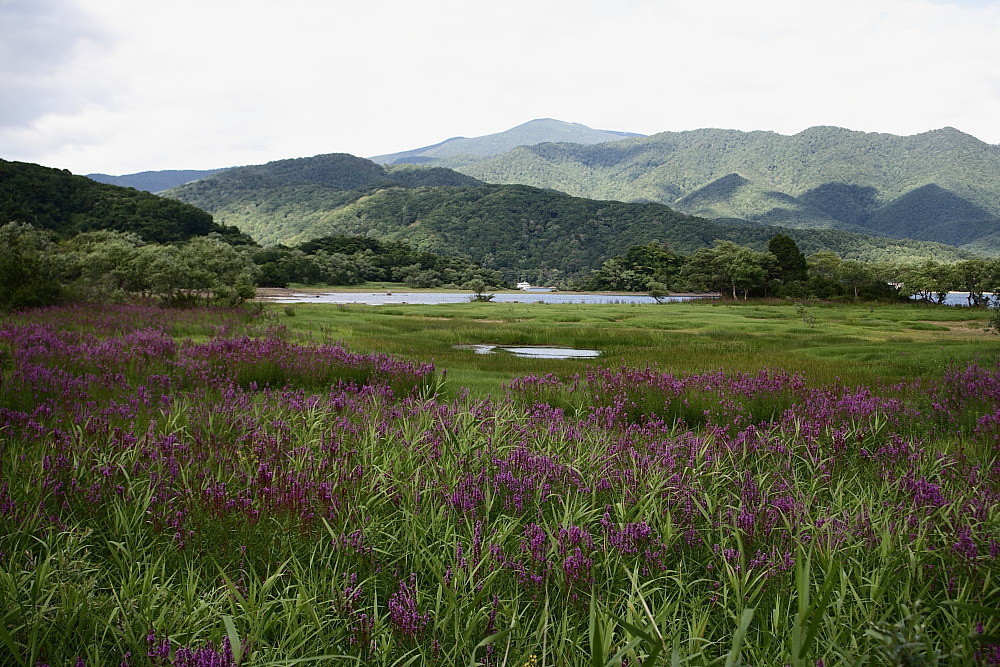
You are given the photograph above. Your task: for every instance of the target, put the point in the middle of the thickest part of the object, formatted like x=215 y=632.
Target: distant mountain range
x=520 y=230
x=458 y=150
x=941 y=186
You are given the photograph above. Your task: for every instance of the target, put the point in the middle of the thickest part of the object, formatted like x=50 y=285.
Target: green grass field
x=857 y=344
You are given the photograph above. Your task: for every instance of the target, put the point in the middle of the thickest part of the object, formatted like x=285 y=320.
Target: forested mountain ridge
x=546 y=236
x=942 y=185
x=462 y=150
x=335 y=172
x=527 y=232
x=279 y=201
x=457 y=150
x=58 y=201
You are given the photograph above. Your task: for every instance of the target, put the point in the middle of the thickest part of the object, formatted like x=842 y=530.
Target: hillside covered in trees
x=58 y=201
x=283 y=201
x=941 y=186
x=528 y=233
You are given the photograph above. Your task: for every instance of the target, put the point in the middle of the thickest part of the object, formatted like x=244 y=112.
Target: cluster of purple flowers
x=404 y=613
x=159 y=654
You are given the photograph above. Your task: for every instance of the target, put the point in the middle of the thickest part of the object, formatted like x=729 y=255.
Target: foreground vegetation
x=210 y=487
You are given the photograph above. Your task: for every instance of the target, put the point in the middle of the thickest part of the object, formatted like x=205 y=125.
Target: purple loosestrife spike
x=403 y=612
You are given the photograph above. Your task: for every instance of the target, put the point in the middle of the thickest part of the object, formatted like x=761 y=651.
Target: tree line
x=38 y=268
x=352 y=260
x=783 y=271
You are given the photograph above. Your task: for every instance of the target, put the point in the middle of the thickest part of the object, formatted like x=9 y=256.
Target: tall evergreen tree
x=791 y=263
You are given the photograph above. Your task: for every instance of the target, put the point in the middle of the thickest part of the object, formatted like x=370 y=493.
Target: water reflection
x=538 y=352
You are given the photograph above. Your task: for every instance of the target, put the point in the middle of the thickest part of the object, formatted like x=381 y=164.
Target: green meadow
x=855 y=344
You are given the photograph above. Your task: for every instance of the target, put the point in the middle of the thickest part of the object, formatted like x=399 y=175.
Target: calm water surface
x=959 y=298
x=434 y=298
x=538 y=352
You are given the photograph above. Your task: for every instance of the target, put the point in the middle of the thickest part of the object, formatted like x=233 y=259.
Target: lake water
x=539 y=352
x=959 y=298
x=434 y=298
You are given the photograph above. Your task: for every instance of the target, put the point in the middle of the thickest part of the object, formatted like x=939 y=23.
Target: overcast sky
x=120 y=86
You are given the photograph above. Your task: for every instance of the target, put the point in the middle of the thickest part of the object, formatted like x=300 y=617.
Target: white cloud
x=120 y=86
x=42 y=44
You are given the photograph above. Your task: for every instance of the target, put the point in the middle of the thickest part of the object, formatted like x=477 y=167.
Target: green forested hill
x=938 y=186
x=519 y=229
x=56 y=200
x=275 y=202
x=524 y=231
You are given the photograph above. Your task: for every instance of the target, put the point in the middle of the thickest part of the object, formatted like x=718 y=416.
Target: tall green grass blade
x=486 y=642
x=649 y=636
x=733 y=657
x=235 y=645
x=12 y=646
x=816 y=612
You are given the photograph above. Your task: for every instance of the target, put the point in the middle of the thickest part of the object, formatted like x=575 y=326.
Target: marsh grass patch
x=925 y=326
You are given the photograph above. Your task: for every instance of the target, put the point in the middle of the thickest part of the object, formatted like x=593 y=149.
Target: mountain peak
x=452 y=152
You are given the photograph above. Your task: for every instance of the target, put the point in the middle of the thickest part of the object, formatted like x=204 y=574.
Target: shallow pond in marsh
x=540 y=352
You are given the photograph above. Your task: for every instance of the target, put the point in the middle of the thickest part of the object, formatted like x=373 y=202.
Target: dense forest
x=66 y=237
x=352 y=260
